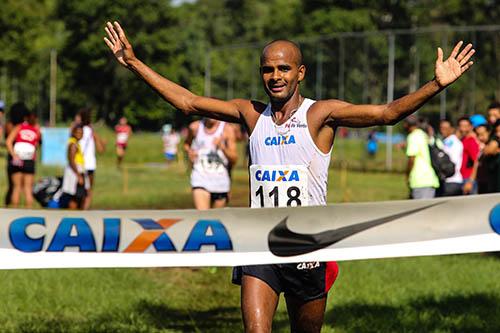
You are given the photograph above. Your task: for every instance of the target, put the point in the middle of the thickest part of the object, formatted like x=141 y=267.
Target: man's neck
x=284 y=110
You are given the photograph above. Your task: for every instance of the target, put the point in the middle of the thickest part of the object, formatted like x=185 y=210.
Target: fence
x=371 y=67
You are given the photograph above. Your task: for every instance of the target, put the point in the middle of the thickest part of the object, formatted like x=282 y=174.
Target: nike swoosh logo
x=285 y=243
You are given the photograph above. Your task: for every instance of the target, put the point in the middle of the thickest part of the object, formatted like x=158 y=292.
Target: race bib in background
x=24 y=150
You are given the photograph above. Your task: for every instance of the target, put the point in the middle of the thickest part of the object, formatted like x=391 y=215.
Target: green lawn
x=459 y=293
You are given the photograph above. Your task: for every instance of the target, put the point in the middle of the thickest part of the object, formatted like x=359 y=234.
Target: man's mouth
x=277 y=88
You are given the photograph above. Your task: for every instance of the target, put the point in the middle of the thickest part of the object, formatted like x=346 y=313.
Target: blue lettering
x=111 y=239
x=164 y=243
x=258 y=175
x=18 y=237
x=279 y=140
x=265 y=176
x=218 y=237
x=84 y=238
x=274 y=141
x=268 y=141
x=294 y=176
x=292 y=139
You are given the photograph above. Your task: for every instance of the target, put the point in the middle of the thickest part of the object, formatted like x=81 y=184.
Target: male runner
x=297 y=132
x=211 y=147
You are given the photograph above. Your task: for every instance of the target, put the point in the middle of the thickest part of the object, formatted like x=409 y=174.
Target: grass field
x=459 y=293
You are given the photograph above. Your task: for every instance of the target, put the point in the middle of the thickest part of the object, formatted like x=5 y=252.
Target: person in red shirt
x=123 y=131
x=470 y=154
x=22 y=144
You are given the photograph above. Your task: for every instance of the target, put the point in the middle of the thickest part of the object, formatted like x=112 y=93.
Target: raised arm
x=446 y=72
x=181 y=98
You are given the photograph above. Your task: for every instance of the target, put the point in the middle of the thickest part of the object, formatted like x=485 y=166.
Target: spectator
x=454 y=148
x=18 y=112
x=2 y=117
x=372 y=144
x=123 y=132
x=422 y=179
x=88 y=143
x=75 y=182
x=488 y=168
x=493 y=113
x=171 y=140
x=470 y=155
x=22 y=144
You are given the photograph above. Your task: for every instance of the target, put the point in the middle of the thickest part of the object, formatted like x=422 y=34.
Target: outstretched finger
x=121 y=33
x=108 y=43
x=456 y=49
x=113 y=32
x=467 y=57
x=466 y=67
x=110 y=35
x=439 y=55
x=464 y=52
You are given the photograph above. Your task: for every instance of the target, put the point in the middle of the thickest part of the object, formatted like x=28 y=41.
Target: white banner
x=245 y=236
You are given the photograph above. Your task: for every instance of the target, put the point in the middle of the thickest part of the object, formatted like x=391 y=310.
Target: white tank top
x=286 y=166
x=87 y=144
x=210 y=168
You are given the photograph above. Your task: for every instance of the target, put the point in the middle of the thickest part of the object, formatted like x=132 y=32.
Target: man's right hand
x=119 y=44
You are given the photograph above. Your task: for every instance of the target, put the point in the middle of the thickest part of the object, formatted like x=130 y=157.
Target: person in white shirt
x=454 y=148
x=88 y=143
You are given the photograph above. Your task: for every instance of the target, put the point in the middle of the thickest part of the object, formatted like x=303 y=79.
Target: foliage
x=174 y=39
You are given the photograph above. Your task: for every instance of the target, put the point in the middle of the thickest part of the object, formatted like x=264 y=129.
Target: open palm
x=451 y=69
x=118 y=43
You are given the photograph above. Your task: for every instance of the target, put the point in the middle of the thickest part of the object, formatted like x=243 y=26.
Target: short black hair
x=18 y=112
x=464 y=118
x=412 y=120
x=446 y=120
x=86 y=115
x=494 y=105
x=486 y=126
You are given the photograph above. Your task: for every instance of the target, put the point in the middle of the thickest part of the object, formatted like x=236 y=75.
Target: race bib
x=24 y=150
x=278 y=186
x=210 y=161
x=122 y=137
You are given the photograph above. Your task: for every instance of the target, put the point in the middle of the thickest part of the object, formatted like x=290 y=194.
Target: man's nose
x=276 y=74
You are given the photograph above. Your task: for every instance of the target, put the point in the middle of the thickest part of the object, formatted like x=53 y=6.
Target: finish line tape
x=245 y=236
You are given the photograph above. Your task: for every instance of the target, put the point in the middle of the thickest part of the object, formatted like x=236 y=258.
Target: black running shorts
x=305 y=281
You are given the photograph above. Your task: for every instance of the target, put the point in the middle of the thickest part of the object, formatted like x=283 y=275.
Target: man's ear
x=302 y=72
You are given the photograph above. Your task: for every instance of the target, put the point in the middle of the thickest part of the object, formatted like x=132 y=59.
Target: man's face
x=493 y=115
x=280 y=72
x=445 y=129
x=464 y=127
x=482 y=134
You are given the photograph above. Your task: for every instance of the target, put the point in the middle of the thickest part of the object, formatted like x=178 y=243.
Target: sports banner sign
x=244 y=236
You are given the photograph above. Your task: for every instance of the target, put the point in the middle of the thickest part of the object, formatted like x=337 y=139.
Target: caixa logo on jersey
x=277 y=175
x=75 y=232
x=279 y=140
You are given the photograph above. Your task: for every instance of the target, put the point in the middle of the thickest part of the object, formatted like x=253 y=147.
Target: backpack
x=441 y=162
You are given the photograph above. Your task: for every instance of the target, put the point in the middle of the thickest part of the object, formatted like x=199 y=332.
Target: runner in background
x=211 y=147
x=171 y=140
x=123 y=132
x=22 y=144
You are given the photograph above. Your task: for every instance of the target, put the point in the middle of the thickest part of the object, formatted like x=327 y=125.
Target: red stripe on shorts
x=331 y=273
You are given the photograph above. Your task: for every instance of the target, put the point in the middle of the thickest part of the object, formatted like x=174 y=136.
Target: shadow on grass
x=463 y=313
x=222 y=319
x=471 y=313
